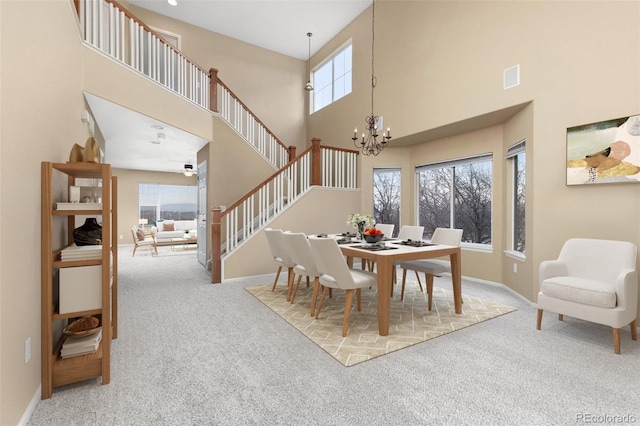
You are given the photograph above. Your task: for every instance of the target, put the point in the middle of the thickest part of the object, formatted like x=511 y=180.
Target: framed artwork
x=604 y=152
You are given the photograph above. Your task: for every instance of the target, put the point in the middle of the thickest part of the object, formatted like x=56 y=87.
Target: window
x=516 y=155
x=177 y=202
x=386 y=197
x=332 y=79
x=457 y=194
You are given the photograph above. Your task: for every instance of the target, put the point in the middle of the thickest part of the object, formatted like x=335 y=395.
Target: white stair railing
x=120 y=35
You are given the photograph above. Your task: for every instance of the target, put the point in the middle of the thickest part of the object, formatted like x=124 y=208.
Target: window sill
x=515 y=255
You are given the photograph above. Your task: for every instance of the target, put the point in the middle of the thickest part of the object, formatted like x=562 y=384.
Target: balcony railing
x=113 y=30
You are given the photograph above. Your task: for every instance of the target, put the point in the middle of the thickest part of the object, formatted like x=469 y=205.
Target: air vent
x=511 y=77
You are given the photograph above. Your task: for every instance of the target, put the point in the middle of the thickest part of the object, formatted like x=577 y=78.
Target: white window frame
x=512 y=157
x=330 y=59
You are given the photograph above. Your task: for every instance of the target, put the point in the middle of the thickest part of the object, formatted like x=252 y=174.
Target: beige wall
x=40 y=116
x=446 y=69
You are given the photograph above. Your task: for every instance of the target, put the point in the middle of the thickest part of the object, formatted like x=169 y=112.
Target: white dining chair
x=407 y=232
x=386 y=228
x=432 y=267
x=281 y=257
x=334 y=273
x=305 y=264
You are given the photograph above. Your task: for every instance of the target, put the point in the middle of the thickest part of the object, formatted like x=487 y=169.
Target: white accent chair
x=305 y=264
x=432 y=267
x=281 y=257
x=140 y=239
x=334 y=273
x=592 y=280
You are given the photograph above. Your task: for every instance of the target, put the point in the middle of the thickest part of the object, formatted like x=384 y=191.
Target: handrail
x=316 y=166
x=247 y=124
x=115 y=31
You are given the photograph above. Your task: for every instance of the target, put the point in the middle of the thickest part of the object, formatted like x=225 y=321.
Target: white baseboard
x=31 y=407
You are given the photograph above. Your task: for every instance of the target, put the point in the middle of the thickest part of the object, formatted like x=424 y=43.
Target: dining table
x=385 y=255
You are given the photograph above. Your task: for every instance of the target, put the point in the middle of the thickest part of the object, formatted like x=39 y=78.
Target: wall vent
x=511 y=77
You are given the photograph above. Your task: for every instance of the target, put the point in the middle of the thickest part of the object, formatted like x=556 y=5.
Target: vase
x=89 y=234
x=361 y=230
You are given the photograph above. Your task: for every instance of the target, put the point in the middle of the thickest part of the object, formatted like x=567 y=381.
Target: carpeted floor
x=163 y=250
x=411 y=323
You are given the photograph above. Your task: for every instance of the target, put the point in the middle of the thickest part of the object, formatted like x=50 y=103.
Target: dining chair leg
x=314 y=296
x=276 y=280
x=359 y=299
x=295 y=291
x=324 y=294
x=418 y=278
x=290 y=277
x=307 y=280
x=429 y=280
x=348 y=299
x=404 y=278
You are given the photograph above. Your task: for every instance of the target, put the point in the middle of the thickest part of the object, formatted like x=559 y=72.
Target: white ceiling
x=277 y=25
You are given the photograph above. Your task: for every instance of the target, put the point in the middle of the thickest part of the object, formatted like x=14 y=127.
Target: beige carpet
x=410 y=322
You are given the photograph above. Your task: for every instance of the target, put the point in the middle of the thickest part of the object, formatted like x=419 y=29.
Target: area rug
x=164 y=250
x=410 y=323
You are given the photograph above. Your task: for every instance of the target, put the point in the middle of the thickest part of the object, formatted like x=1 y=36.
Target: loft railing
x=317 y=165
x=109 y=27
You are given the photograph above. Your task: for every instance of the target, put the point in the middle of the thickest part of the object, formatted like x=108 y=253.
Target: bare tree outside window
x=386 y=196
x=519 y=202
x=457 y=195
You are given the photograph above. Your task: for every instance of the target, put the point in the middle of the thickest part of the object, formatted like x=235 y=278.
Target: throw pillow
x=140 y=234
x=169 y=227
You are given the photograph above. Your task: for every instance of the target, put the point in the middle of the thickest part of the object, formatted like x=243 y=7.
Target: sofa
x=165 y=230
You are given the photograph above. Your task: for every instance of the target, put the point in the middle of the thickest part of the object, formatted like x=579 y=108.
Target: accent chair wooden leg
x=616 y=341
x=348 y=300
x=634 y=331
x=314 y=296
x=155 y=247
x=429 y=280
x=276 y=280
x=539 y=321
x=295 y=291
x=560 y=317
x=134 y=250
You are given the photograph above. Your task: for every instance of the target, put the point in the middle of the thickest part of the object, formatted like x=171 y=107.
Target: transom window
x=332 y=79
x=457 y=194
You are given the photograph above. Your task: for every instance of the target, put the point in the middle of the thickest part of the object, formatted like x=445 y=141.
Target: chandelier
x=370 y=144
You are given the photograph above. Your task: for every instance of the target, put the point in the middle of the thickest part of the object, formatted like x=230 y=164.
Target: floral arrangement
x=360 y=221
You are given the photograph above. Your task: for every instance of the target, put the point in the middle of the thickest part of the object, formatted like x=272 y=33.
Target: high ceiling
x=277 y=25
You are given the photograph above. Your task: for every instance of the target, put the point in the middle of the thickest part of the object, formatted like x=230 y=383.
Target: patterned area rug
x=410 y=322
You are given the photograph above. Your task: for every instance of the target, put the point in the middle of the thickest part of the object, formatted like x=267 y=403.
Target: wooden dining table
x=396 y=251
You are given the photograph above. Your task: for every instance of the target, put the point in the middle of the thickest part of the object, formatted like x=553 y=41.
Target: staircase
x=116 y=32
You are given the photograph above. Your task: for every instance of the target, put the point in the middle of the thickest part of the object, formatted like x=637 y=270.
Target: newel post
x=216 y=263
x=292 y=153
x=316 y=176
x=213 y=89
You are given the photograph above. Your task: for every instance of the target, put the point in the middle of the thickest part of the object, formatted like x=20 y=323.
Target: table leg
x=385 y=264
x=456 y=277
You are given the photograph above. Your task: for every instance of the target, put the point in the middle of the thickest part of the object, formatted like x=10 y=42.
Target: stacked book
x=74 y=252
x=76 y=346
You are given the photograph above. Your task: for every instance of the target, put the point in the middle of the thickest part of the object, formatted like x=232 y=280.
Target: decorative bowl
x=373 y=238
